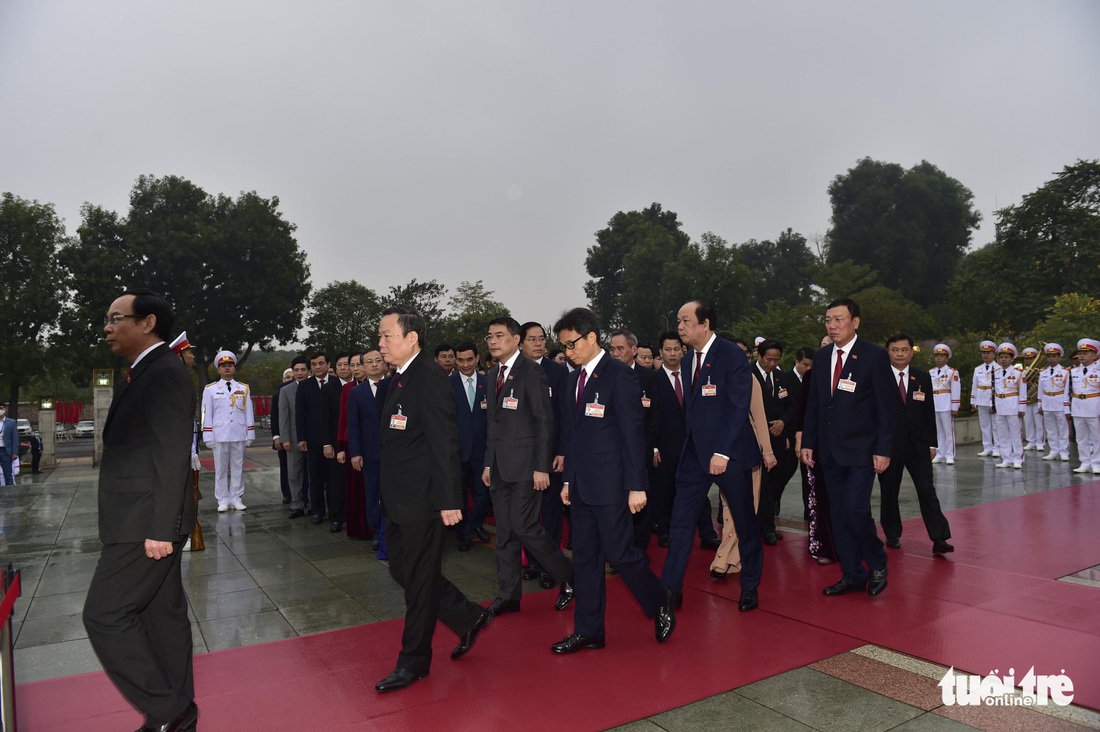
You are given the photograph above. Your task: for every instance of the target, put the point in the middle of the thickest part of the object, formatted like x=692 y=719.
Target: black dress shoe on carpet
x=297 y=513
x=335 y=528
x=748 y=601
x=529 y=573
x=877 y=583
x=464 y=545
x=399 y=679
x=771 y=538
x=481 y=534
x=546 y=581
x=665 y=620
x=893 y=543
x=315 y=519
x=710 y=544
x=467 y=641
x=842 y=587
x=717 y=576
x=565 y=595
x=187 y=720
x=575 y=642
x=503 y=607
x=941 y=547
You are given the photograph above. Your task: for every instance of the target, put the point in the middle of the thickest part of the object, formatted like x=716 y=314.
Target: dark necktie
x=698 y=368
x=500 y=380
x=580 y=387
x=771 y=384
x=901 y=386
x=679 y=388
x=836 y=370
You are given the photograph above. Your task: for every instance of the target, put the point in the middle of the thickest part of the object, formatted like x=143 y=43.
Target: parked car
x=85 y=428
x=24 y=426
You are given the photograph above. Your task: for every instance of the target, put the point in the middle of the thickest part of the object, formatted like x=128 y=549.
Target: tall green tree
x=1072 y=316
x=912 y=226
x=794 y=326
x=784 y=266
x=470 y=309
x=30 y=236
x=343 y=315
x=710 y=270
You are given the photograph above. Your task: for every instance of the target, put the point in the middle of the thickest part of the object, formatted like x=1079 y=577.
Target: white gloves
x=195 y=464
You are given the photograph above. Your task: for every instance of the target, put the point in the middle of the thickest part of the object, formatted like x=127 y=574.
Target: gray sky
x=490 y=140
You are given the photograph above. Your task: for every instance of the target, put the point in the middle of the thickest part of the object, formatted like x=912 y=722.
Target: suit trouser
x=295 y=474
x=5 y=466
x=416 y=563
x=516 y=507
x=553 y=510
x=603 y=534
x=372 y=487
x=693 y=483
x=316 y=465
x=284 y=474
x=854 y=532
x=1033 y=425
x=334 y=490
x=229 y=471
x=985 y=421
x=1088 y=440
x=889 y=482
x=663 y=485
x=1009 y=442
x=1057 y=429
x=479 y=499
x=945 y=435
x=136 y=617
x=773 y=482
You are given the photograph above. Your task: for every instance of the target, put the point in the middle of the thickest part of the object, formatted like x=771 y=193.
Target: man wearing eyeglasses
x=136 y=611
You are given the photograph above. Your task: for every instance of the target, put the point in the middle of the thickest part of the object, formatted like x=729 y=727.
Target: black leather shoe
x=662 y=541
x=771 y=538
x=187 y=720
x=468 y=640
x=748 y=601
x=665 y=620
x=877 y=582
x=399 y=679
x=575 y=642
x=335 y=528
x=481 y=534
x=893 y=543
x=716 y=575
x=941 y=547
x=565 y=595
x=286 y=501
x=503 y=607
x=546 y=581
x=530 y=574
x=297 y=513
x=710 y=544
x=464 y=545
x=842 y=587
x=315 y=519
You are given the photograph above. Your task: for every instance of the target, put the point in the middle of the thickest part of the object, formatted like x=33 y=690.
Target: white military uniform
x=228 y=427
x=1085 y=407
x=946 y=395
x=1009 y=395
x=1054 y=401
x=1034 y=434
x=981 y=398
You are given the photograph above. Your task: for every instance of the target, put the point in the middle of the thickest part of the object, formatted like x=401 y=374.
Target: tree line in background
x=899 y=244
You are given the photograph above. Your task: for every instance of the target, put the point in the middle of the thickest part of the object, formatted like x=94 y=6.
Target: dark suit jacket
x=11 y=435
x=472 y=423
x=307 y=412
x=780 y=403
x=557 y=378
x=364 y=420
x=672 y=426
x=605 y=457
x=916 y=424
x=719 y=424
x=851 y=427
x=330 y=411
x=646 y=377
x=520 y=441
x=145 y=489
x=420 y=465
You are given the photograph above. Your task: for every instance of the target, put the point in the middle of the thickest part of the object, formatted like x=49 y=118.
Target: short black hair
x=644 y=344
x=768 y=344
x=343 y=354
x=147 y=302
x=554 y=353
x=705 y=311
x=443 y=347
x=579 y=320
x=740 y=342
x=408 y=320
x=669 y=335
x=845 y=302
x=466 y=346
x=630 y=337
x=803 y=353
x=300 y=359
x=508 y=322
x=528 y=326
x=316 y=355
x=899 y=337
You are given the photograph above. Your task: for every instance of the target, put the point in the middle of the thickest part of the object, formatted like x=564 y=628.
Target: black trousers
x=416 y=563
x=772 y=484
x=284 y=475
x=479 y=499
x=516 y=507
x=662 y=494
x=136 y=617
x=889 y=482
x=857 y=542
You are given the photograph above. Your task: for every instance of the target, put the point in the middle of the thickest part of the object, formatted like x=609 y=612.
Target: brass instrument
x=1031 y=375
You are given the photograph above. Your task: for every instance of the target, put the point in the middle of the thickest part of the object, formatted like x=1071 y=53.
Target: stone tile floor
x=263 y=577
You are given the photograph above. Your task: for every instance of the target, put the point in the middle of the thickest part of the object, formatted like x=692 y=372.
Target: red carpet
x=993 y=604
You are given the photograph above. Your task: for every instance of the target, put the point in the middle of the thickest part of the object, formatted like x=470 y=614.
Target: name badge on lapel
x=510 y=402
x=484 y=404
x=645 y=401
x=846 y=384
x=918 y=395
x=709 y=389
x=398 y=421
x=782 y=393
x=594 y=408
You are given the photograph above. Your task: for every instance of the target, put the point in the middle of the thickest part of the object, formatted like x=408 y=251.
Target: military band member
x=981 y=398
x=1054 y=403
x=946 y=390
x=1034 y=435
x=182 y=347
x=228 y=428
x=1009 y=396
x=1085 y=405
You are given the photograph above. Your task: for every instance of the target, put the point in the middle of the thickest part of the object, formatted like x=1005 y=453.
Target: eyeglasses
x=116 y=319
x=570 y=345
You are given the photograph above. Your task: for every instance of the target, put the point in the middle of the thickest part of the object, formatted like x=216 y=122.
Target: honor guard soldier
x=1054 y=403
x=946 y=395
x=981 y=398
x=1009 y=395
x=228 y=428
x=1085 y=405
x=1034 y=435
x=182 y=348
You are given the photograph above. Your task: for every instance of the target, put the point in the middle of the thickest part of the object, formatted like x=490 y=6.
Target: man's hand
x=559 y=463
x=329 y=452
x=341 y=457
x=209 y=445
x=157 y=549
x=882 y=462
x=718 y=464
x=932 y=450
x=808 y=458
x=565 y=494
x=452 y=517
x=770 y=462
x=485 y=477
x=775 y=427
x=636 y=501
x=955 y=413
x=303 y=446
x=195 y=464
x=276 y=443
x=357 y=462
x=542 y=481
x=287 y=446
x=656 y=458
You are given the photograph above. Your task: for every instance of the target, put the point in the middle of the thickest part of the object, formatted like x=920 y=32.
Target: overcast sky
x=490 y=140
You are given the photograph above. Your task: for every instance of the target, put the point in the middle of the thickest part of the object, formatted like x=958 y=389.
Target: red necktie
x=698 y=368
x=679 y=389
x=839 y=365
x=580 y=387
x=901 y=386
x=500 y=380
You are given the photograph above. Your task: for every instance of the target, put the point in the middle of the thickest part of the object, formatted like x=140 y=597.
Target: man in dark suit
x=719 y=448
x=309 y=418
x=276 y=442
x=533 y=345
x=471 y=408
x=604 y=483
x=851 y=416
x=136 y=611
x=780 y=392
x=421 y=495
x=518 y=459
x=364 y=433
x=915 y=445
x=331 y=392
